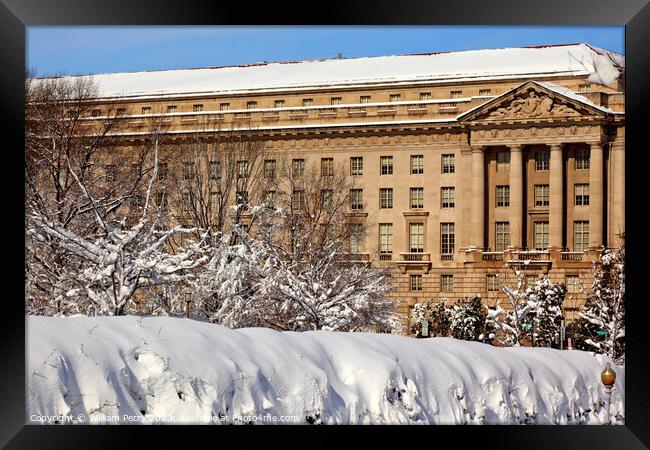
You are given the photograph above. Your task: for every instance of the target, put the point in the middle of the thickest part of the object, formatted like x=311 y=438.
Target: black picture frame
x=16 y=15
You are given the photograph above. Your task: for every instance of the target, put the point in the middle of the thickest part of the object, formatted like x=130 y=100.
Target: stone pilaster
x=618 y=205
x=596 y=196
x=516 y=196
x=556 y=198
x=478 y=197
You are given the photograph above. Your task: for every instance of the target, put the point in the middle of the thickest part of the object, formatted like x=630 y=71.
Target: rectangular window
x=417 y=198
x=417 y=164
x=447 y=197
x=425 y=95
x=96 y=112
x=307 y=102
x=120 y=111
x=224 y=106
x=503 y=161
x=584 y=87
x=269 y=169
x=448 y=164
x=540 y=230
x=327 y=167
x=269 y=197
x=491 y=283
x=326 y=196
x=162 y=171
x=242 y=197
x=188 y=170
x=447 y=238
x=356 y=198
x=335 y=101
x=484 y=92
x=215 y=170
x=171 y=109
x=541 y=195
x=455 y=94
x=394 y=97
x=446 y=283
x=356 y=165
x=502 y=236
x=572 y=284
x=198 y=108
x=356 y=238
x=503 y=196
x=385 y=198
x=542 y=160
x=386 y=165
x=278 y=104
x=242 y=169
x=582 y=194
x=251 y=105
x=298 y=167
x=298 y=199
x=580 y=236
x=146 y=110
x=364 y=99
x=582 y=158
x=416 y=237
x=385 y=238
x=416 y=283
x=161 y=201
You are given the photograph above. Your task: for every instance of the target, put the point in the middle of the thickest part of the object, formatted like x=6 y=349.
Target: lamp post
x=188 y=301
x=608 y=377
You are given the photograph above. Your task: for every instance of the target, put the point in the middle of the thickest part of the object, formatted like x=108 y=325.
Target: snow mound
x=162 y=369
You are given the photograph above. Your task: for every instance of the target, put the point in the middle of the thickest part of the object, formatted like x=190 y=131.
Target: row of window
x=542 y=160
x=416 y=238
x=491 y=283
x=581 y=195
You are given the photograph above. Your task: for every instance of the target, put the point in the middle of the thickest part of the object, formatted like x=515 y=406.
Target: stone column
x=478 y=196
x=556 y=203
x=516 y=197
x=596 y=196
x=618 y=210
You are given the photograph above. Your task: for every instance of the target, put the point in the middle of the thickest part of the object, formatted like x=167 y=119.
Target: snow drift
x=161 y=369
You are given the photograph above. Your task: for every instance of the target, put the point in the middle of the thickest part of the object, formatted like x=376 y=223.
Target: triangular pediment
x=532 y=101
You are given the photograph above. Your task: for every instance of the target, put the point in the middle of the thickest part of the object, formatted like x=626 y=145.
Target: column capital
x=556 y=147
x=516 y=147
x=477 y=148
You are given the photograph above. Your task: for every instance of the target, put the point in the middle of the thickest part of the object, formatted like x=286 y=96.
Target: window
x=162 y=171
x=417 y=164
x=484 y=92
x=278 y=104
x=146 y=110
x=425 y=95
x=307 y=101
x=111 y=172
x=503 y=196
x=448 y=164
x=242 y=169
x=215 y=170
x=188 y=170
x=251 y=105
x=356 y=238
x=446 y=283
x=326 y=196
x=335 y=101
x=541 y=195
x=386 y=165
x=327 y=167
x=385 y=198
x=447 y=197
x=364 y=99
x=417 y=198
x=584 y=87
x=356 y=198
x=416 y=237
x=269 y=169
x=298 y=199
x=582 y=194
x=242 y=197
x=541 y=235
x=356 y=165
x=385 y=238
x=455 y=94
x=171 y=109
x=491 y=283
x=503 y=161
x=224 y=106
x=502 y=236
x=298 y=167
x=394 y=97
x=121 y=111
x=416 y=283
x=573 y=283
x=580 y=236
x=198 y=108
x=447 y=238
x=161 y=201
x=582 y=158
x=542 y=159
x=269 y=197
x=96 y=112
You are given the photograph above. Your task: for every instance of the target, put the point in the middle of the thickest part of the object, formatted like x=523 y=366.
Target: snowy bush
x=467 y=319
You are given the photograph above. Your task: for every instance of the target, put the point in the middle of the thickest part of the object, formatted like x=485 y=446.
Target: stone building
x=466 y=163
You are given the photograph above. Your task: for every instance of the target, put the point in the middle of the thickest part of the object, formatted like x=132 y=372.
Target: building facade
x=465 y=164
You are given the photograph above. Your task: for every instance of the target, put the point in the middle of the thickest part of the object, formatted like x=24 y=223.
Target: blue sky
x=100 y=49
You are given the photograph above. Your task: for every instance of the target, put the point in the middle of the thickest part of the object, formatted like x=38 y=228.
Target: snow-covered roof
x=576 y=59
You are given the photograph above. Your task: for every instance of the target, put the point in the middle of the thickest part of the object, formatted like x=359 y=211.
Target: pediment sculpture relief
x=533 y=105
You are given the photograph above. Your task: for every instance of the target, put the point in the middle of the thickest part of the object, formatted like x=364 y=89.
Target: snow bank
x=161 y=369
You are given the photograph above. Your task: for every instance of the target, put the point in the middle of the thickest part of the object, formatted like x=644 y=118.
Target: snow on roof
x=572 y=95
x=574 y=59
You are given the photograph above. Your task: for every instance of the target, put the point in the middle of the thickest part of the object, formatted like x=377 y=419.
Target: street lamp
x=188 y=300
x=608 y=377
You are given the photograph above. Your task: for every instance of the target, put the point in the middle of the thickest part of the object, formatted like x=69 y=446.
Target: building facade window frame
x=448 y=163
x=448 y=197
x=385 y=165
x=356 y=165
x=385 y=198
x=447 y=238
x=503 y=195
x=417 y=164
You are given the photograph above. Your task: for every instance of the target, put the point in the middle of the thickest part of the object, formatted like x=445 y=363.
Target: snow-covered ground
x=159 y=369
